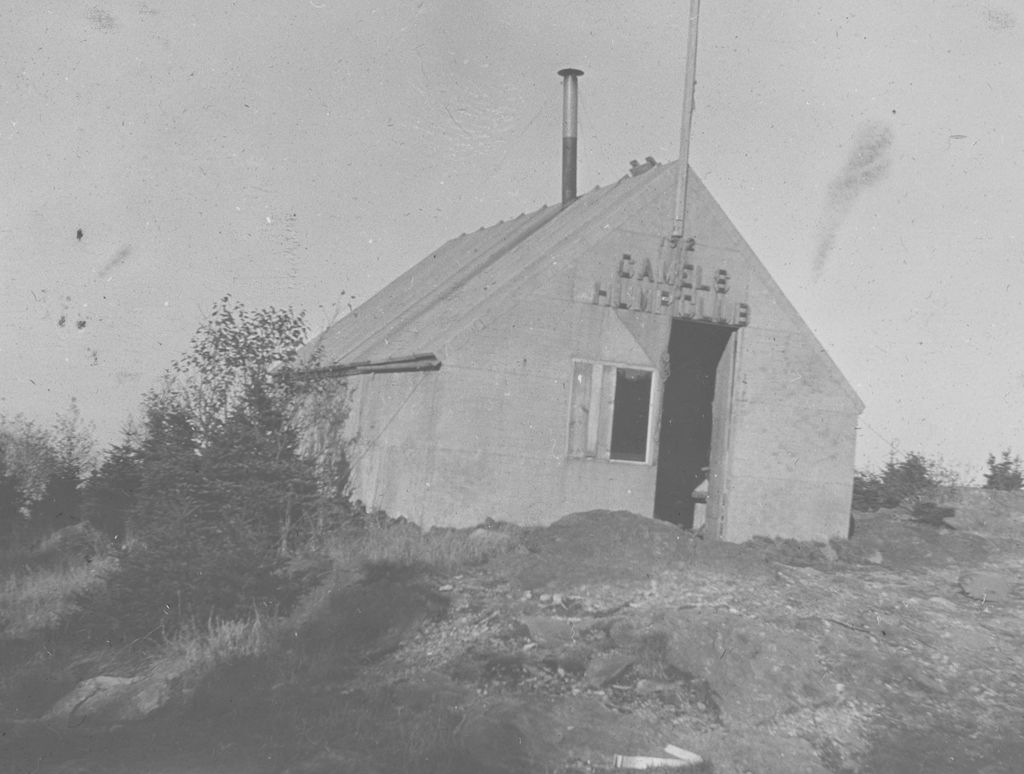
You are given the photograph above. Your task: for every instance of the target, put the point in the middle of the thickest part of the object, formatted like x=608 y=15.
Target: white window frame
x=599 y=423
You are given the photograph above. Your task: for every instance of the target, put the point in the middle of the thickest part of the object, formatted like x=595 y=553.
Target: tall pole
x=570 y=108
x=690 y=80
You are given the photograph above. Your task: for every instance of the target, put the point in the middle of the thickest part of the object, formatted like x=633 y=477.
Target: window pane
x=631 y=414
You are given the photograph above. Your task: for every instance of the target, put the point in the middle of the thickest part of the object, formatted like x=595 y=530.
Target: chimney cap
x=570 y=71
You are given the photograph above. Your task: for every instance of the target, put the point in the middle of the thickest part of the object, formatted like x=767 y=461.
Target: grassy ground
x=35 y=600
x=259 y=694
x=439 y=550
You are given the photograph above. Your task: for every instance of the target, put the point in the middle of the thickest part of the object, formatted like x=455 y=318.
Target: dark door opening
x=684 y=448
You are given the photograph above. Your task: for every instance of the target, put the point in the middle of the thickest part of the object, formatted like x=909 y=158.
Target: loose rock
x=603 y=669
x=986 y=586
x=107 y=700
x=550 y=632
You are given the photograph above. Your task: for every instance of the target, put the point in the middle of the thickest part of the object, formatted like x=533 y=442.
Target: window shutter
x=582 y=380
x=592 y=411
x=603 y=427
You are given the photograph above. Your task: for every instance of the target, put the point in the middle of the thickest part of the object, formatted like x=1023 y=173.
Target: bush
x=74 y=545
x=906 y=481
x=212 y=492
x=935 y=515
x=1006 y=474
x=185 y=573
x=197 y=651
x=868 y=491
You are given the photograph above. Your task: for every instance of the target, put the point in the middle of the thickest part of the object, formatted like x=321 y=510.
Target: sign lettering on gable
x=677 y=288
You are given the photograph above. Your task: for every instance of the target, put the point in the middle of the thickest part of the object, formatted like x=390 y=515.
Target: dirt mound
x=616 y=548
x=902 y=541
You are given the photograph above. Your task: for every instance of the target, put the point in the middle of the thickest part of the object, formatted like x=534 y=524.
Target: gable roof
x=410 y=313
x=478 y=273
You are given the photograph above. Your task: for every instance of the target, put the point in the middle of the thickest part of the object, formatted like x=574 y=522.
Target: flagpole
x=690 y=76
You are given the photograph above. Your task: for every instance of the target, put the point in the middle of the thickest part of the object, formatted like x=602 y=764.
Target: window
x=610 y=413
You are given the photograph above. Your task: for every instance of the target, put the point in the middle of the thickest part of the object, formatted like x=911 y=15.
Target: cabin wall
x=487 y=435
x=792 y=434
x=789 y=450
x=389 y=432
x=503 y=434
x=783 y=462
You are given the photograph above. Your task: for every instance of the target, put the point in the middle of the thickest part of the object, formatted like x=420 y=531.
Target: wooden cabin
x=577 y=358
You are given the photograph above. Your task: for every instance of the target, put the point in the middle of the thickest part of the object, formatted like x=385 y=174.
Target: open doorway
x=684 y=449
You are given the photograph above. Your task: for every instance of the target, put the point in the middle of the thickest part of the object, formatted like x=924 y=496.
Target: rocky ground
x=610 y=635
x=767 y=657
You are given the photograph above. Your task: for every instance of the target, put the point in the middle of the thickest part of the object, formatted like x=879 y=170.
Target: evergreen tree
x=11 y=501
x=30 y=456
x=905 y=480
x=215 y=487
x=72 y=444
x=1005 y=474
x=218 y=438
x=111 y=494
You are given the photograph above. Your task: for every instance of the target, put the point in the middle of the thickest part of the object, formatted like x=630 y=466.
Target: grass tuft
x=401 y=543
x=38 y=600
x=194 y=652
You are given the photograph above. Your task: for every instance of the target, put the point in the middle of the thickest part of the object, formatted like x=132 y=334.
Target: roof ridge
x=545 y=206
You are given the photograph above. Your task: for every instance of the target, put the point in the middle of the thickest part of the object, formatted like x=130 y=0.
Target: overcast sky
x=305 y=152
